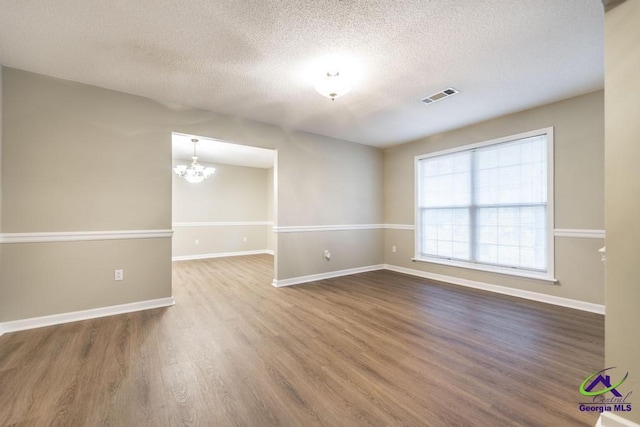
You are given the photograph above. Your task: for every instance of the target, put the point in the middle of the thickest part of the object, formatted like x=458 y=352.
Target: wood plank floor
x=377 y=348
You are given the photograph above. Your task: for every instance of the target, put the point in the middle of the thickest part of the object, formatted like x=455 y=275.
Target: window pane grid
x=446 y=181
x=512 y=236
x=446 y=234
x=487 y=205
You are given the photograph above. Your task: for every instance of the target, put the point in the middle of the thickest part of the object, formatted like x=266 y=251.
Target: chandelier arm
x=196 y=172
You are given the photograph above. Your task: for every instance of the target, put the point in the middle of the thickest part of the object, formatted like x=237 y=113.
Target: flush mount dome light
x=196 y=172
x=333 y=85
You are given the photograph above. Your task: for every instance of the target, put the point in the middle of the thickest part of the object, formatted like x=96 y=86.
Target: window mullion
x=472 y=208
x=503 y=184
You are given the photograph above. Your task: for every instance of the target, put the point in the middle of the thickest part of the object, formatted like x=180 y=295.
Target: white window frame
x=549 y=275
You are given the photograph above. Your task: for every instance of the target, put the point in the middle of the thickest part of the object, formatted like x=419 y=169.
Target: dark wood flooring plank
x=378 y=349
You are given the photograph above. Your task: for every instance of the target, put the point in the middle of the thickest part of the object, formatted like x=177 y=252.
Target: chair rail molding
x=340 y=227
x=220 y=224
x=579 y=232
x=77 y=236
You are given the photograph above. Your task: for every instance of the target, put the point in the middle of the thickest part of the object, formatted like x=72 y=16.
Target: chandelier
x=333 y=85
x=196 y=172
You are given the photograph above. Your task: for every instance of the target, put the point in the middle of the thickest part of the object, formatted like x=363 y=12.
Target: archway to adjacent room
x=230 y=214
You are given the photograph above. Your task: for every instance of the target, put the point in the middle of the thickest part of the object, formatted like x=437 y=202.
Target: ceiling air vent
x=440 y=95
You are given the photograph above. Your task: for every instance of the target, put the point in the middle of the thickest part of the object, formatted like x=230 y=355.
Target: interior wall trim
x=575 y=232
x=341 y=227
x=75 y=316
x=608 y=419
x=37 y=322
x=534 y=296
x=310 y=228
x=558 y=232
x=321 y=276
x=221 y=254
x=76 y=236
x=221 y=224
x=399 y=226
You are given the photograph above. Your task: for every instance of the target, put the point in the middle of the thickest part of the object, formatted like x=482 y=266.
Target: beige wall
x=96 y=163
x=348 y=248
x=97 y=159
x=2 y=285
x=579 y=133
x=102 y=161
x=49 y=278
x=218 y=240
x=333 y=184
x=271 y=210
x=1 y=102
x=622 y=189
x=234 y=194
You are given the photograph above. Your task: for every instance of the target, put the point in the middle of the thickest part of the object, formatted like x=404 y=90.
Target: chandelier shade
x=196 y=172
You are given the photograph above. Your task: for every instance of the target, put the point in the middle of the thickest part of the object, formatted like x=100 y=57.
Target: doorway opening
x=233 y=212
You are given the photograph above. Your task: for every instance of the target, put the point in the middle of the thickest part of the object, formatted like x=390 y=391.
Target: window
x=486 y=206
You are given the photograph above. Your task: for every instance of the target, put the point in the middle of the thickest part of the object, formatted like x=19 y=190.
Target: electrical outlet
x=118 y=274
x=327 y=254
x=197 y=241
x=244 y=239
x=393 y=248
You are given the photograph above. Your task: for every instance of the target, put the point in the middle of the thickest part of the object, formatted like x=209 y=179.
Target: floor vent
x=440 y=95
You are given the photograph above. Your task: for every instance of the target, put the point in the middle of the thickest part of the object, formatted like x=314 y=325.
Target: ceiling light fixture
x=333 y=85
x=196 y=172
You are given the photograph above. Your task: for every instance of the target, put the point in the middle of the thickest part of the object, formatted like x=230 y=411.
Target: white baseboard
x=221 y=254
x=322 y=276
x=74 y=316
x=608 y=419
x=535 y=296
x=38 y=322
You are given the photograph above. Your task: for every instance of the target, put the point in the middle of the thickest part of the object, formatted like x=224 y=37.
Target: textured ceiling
x=214 y=151
x=248 y=58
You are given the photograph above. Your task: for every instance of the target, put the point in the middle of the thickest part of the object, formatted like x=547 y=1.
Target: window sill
x=488 y=268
